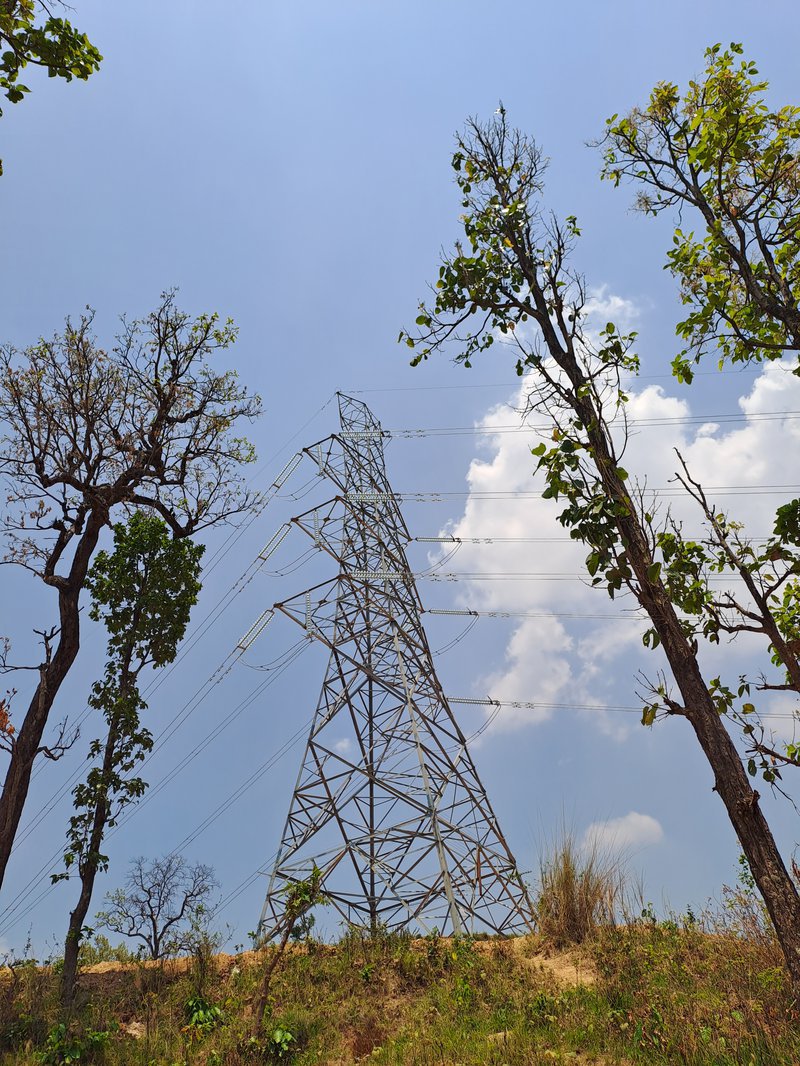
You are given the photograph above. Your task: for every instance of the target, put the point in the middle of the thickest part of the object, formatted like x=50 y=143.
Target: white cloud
x=632 y=830
x=536 y=670
x=603 y=306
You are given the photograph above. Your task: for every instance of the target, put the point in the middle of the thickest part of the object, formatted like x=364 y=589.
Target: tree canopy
x=160 y=901
x=722 y=153
x=32 y=34
x=88 y=433
x=143 y=591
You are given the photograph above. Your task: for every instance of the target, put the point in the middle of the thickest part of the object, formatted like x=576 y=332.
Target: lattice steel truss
x=388 y=803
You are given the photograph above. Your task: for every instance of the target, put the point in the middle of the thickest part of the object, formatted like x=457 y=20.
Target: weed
x=100 y=949
x=64 y=1045
x=542 y=1010
x=649 y=914
x=433 y=945
x=279 y=1043
x=662 y=993
x=462 y=952
x=201 y=1016
x=463 y=994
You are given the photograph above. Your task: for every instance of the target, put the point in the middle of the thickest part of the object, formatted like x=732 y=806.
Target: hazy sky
x=288 y=164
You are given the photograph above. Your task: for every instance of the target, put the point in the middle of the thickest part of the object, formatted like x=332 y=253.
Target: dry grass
x=581 y=889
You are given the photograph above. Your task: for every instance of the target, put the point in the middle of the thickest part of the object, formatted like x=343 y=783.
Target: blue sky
x=288 y=164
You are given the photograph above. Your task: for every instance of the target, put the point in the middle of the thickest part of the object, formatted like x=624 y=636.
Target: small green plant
x=463 y=994
x=65 y=1046
x=649 y=914
x=301 y=897
x=100 y=949
x=744 y=913
x=201 y=1016
x=648 y=1034
x=25 y=1028
x=462 y=951
x=542 y=1009
x=279 y=1042
x=433 y=944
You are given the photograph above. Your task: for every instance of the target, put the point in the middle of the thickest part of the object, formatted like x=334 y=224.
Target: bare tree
x=86 y=432
x=160 y=904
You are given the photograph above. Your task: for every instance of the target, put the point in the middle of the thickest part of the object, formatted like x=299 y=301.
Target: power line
x=667 y=491
x=619 y=617
x=211 y=617
x=530 y=575
x=224 y=602
x=516 y=384
x=245 y=786
x=243 y=705
x=613 y=708
x=655 y=422
x=44 y=870
x=525 y=540
x=200 y=629
x=241 y=790
x=239 y=530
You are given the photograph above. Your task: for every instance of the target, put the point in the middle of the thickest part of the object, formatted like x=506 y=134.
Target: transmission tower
x=388 y=803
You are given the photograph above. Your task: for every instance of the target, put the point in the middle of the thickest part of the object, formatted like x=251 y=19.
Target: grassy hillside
x=588 y=987
x=650 y=992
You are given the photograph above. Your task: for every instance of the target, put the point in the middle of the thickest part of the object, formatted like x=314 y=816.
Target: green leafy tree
x=143 y=592
x=31 y=34
x=87 y=434
x=723 y=157
x=511 y=278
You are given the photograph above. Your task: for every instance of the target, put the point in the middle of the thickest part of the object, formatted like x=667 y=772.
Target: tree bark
x=731 y=782
x=266 y=980
x=730 y=779
x=27 y=744
x=88 y=873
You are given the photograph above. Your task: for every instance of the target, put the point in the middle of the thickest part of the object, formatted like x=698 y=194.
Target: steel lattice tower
x=388 y=803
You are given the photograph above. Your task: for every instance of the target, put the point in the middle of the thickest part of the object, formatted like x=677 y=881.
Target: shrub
x=100 y=949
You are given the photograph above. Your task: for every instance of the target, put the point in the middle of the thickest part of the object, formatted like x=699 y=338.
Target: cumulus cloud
x=535 y=663
x=604 y=306
x=632 y=830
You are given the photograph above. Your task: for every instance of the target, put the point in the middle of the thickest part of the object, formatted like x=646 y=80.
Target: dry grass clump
x=581 y=888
